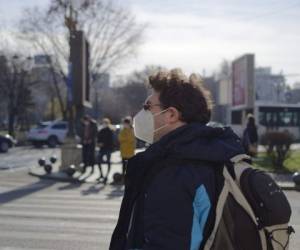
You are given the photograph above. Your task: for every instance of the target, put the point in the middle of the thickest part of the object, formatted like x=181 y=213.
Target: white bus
x=269 y=117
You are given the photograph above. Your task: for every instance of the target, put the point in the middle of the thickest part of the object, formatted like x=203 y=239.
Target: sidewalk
x=78 y=177
x=88 y=177
x=294 y=146
x=285 y=181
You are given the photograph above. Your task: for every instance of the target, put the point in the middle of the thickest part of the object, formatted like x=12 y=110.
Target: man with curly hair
x=171 y=189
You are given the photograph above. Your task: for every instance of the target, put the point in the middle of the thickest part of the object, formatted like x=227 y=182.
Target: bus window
x=262 y=118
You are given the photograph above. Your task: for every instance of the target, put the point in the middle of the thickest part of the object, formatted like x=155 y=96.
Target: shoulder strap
x=240 y=163
x=240 y=157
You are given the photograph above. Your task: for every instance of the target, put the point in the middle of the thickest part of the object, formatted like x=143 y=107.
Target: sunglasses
x=148 y=106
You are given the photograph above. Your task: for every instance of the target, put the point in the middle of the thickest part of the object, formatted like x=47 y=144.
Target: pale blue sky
x=198 y=34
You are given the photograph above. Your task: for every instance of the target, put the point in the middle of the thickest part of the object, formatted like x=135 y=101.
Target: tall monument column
x=78 y=89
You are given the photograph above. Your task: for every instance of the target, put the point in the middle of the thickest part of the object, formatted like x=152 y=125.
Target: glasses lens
x=146 y=106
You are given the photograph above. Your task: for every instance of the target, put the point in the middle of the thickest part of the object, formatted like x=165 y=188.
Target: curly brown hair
x=187 y=95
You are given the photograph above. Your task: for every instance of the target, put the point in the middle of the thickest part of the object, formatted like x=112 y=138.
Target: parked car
x=6 y=142
x=51 y=133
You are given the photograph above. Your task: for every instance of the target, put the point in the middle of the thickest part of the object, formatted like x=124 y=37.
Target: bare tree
x=15 y=88
x=128 y=99
x=50 y=86
x=111 y=30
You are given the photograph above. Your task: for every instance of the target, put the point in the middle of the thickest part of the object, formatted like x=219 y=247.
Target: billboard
x=243 y=81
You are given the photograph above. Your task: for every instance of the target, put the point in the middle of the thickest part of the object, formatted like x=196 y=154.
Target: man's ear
x=173 y=115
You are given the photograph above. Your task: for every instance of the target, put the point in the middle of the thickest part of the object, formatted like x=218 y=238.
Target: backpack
x=251 y=213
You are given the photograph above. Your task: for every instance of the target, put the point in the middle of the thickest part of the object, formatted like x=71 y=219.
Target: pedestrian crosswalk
x=43 y=214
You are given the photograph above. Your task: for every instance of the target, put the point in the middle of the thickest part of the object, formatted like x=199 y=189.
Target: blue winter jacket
x=171 y=190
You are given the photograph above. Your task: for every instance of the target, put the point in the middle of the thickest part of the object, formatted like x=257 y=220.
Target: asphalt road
x=44 y=214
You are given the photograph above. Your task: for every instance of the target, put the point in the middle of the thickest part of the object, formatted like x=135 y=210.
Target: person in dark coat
x=250 y=137
x=171 y=189
x=106 y=145
x=88 y=136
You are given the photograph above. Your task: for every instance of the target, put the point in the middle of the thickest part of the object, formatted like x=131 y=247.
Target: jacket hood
x=199 y=142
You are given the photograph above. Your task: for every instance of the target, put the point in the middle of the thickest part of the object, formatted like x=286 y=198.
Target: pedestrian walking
x=105 y=139
x=88 y=136
x=250 y=137
x=127 y=142
x=171 y=189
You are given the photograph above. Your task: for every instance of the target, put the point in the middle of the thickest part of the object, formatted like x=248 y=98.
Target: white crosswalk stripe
x=46 y=215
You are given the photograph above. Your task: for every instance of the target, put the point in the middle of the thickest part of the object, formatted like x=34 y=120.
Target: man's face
x=160 y=120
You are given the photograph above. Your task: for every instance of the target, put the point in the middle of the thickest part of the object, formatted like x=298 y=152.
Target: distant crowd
x=106 y=139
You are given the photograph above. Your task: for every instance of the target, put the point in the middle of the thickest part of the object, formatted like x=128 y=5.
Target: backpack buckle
x=290 y=230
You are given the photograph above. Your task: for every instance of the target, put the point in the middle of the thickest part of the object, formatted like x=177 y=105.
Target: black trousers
x=107 y=154
x=124 y=165
x=88 y=155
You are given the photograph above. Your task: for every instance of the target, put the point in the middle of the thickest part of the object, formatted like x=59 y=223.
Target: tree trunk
x=96 y=109
x=52 y=108
x=280 y=155
x=11 y=122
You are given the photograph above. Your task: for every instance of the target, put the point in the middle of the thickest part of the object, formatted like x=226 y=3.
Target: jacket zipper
x=131 y=220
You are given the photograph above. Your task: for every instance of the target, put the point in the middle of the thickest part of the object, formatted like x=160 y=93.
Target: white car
x=51 y=133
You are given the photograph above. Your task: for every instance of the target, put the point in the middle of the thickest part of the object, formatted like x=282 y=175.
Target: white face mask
x=144 y=125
